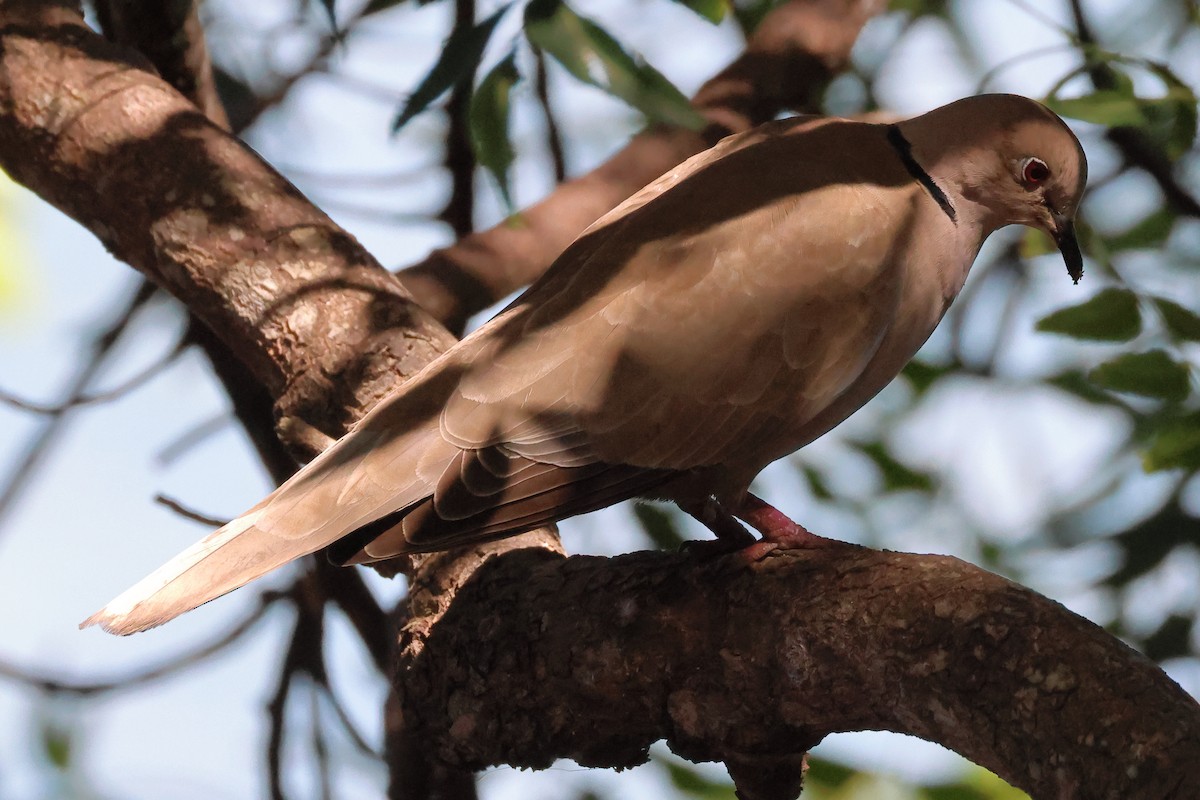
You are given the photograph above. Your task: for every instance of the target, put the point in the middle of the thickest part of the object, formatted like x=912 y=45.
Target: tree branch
x=316 y=319
x=543 y=657
x=171 y=36
x=787 y=62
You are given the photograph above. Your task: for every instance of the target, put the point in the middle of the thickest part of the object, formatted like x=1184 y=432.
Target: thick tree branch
x=171 y=36
x=319 y=322
x=543 y=657
x=788 y=60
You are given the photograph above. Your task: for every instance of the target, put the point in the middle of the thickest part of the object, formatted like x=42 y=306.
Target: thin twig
x=190 y=438
x=348 y=725
x=39 y=446
x=320 y=749
x=55 y=685
x=303 y=657
x=345 y=587
x=554 y=141
x=187 y=513
x=115 y=393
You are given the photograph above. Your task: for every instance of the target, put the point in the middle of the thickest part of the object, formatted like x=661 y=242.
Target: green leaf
x=1174 y=444
x=659 y=525
x=896 y=476
x=1110 y=316
x=1169 y=120
x=712 y=10
x=1150 y=233
x=921 y=8
x=1076 y=383
x=749 y=13
x=1035 y=242
x=1173 y=119
x=593 y=56
x=375 y=6
x=1152 y=374
x=56 y=744
x=458 y=62
x=816 y=483
x=1182 y=323
x=1109 y=107
x=691 y=783
x=827 y=774
x=921 y=374
x=488 y=124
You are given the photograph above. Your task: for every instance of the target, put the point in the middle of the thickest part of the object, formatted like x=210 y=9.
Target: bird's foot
x=731 y=536
x=779 y=532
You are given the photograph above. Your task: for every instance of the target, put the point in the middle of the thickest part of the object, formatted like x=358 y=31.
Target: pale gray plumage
x=724 y=316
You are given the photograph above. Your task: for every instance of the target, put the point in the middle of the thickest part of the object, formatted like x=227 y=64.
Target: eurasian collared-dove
x=729 y=313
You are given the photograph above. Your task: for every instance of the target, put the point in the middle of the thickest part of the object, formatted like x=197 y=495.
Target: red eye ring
x=1034 y=172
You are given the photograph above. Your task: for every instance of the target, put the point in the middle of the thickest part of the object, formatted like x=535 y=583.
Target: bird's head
x=1013 y=159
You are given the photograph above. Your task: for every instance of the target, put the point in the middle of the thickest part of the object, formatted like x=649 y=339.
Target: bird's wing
x=709 y=325
x=697 y=328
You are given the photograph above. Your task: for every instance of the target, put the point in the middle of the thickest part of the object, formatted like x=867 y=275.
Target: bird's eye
x=1034 y=172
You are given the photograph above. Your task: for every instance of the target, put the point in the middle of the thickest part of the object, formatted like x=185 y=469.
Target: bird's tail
x=219 y=563
x=332 y=496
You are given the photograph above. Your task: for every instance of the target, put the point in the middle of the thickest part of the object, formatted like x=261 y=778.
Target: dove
x=724 y=316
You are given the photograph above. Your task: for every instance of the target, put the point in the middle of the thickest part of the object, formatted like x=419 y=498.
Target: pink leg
x=778 y=531
x=730 y=533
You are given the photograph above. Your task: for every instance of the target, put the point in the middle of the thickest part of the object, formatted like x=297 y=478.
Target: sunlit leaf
x=712 y=10
x=593 y=56
x=459 y=59
x=1109 y=107
x=1182 y=323
x=896 y=476
x=1152 y=374
x=659 y=525
x=1035 y=242
x=1169 y=119
x=1110 y=316
x=1174 y=443
x=488 y=124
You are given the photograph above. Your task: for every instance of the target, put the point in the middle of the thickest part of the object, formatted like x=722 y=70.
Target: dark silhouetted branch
x=543 y=657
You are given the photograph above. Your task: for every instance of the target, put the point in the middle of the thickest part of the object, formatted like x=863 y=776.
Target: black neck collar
x=903 y=149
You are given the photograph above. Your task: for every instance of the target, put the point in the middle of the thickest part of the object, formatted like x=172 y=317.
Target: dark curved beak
x=1068 y=245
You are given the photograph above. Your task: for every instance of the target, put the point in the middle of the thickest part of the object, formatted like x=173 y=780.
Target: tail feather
x=217 y=564
x=339 y=491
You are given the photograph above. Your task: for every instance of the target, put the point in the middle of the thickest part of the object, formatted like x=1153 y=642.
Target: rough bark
x=543 y=657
